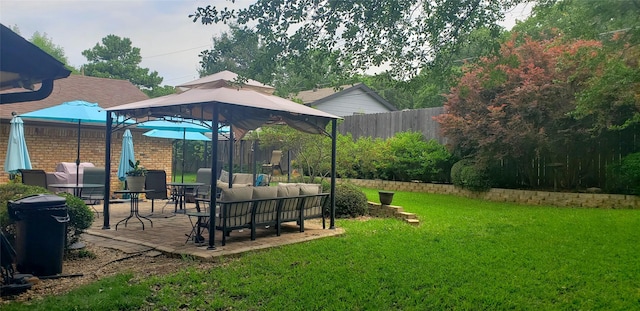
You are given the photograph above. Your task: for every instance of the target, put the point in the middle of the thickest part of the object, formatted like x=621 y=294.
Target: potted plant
x=136 y=176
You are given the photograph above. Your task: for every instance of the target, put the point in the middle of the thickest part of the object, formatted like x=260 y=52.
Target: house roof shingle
x=105 y=92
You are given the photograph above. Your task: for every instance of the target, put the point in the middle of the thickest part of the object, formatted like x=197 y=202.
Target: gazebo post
x=231 y=151
x=107 y=170
x=334 y=134
x=214 y=178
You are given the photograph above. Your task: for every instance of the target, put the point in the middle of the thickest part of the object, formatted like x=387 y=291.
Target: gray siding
x=350 y=103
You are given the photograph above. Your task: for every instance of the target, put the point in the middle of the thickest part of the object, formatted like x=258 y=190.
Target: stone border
x=563 y=199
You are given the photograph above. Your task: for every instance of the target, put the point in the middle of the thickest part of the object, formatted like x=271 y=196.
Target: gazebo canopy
x=245 y=109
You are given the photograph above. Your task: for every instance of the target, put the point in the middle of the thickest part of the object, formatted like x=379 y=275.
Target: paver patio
x=168 y=234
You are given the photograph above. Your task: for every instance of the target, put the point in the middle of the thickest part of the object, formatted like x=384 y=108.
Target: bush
x=408 y=156
x=469 y=175
x=436 y=162
x=80 y=214
x=625 y=177
x=350 y=201
x=81 y=217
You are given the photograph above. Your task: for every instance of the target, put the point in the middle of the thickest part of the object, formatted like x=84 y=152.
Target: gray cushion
x=264 y=192
x=310 y=189
x=224 y=176
x=236 y=194
x=288 y=191
x=242 y=178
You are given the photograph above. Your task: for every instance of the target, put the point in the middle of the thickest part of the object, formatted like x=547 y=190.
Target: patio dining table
x=134 y=211
x=180 y=192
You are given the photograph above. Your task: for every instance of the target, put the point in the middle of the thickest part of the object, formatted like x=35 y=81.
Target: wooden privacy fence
x=385 y=125
x=580 y=164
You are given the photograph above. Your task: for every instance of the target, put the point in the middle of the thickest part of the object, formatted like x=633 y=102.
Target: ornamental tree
x=517 y=105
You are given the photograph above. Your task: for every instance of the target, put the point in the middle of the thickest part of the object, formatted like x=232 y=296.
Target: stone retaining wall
x=509 y=195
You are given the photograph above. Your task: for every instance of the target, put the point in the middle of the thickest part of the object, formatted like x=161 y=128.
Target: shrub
x=469 y=175
x=625 y=177
x=407 y=149
x=350 y=201
x=12 y=192
x=81 y=217
x=407 y=156
x=436 y=162
x=80 y=214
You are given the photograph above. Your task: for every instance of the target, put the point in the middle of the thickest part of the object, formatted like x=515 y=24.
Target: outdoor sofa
x=254 y=207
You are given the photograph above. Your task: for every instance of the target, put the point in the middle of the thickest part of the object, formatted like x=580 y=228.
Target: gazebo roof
x=244 y=108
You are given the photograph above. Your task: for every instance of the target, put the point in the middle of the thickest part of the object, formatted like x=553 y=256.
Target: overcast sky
x=168 y=40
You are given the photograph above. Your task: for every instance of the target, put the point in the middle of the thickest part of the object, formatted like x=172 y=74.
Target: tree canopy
x=240 y=51
x=116 y=58
x=402 y=34
x=44 y=42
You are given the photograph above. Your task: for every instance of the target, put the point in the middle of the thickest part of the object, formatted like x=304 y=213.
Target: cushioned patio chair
x=156 y=181
x=34 y=178
x=92 y=196
x=202 y=176
x=268 y=168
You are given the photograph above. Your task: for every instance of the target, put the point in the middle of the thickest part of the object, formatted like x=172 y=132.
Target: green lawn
x=466 y=255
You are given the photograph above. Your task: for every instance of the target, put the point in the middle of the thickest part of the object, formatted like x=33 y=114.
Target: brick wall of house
x=49 y=145
x=511 y=195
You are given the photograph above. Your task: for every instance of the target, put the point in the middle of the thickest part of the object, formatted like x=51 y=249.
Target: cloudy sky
x=168 y=40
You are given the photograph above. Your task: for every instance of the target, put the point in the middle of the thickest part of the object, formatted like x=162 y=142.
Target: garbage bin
x=41 y=223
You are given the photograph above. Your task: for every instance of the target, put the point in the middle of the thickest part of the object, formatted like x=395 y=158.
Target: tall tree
x=404 y=34
x=115 y=58
x=580 y=19
x=46 y=44
x=240 y=51
x=236 y=51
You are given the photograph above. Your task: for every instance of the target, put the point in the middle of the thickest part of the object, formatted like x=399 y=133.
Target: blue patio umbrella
x=17 y=153
x=177 y=124
x=170 y=134
x=126 y=155
x=73 y=111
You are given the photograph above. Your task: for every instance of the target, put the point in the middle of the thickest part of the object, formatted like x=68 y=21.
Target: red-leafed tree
x=517 y=105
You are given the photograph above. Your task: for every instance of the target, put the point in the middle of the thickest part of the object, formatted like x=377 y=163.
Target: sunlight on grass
x=466 y=254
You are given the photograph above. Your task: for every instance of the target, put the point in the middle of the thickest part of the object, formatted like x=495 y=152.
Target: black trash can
x=41 y=226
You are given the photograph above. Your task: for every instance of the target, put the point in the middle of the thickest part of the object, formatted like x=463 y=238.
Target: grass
x=466 y=254
x=188 y=177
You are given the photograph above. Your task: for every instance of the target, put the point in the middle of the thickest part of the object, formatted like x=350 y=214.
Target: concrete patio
x=168 y=233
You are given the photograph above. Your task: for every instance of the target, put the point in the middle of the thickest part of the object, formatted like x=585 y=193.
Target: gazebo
x=219 y=100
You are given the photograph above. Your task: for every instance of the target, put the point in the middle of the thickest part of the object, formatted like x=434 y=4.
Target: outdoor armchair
x=156 y=181
x=276 y=156
x=93 y=196
x=34 y=177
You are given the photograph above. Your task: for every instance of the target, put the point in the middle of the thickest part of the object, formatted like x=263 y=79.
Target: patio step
x=380 y=210
x=412 y=221
x=406 y=215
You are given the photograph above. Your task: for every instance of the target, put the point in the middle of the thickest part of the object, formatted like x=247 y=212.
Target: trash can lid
x=37 y=201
